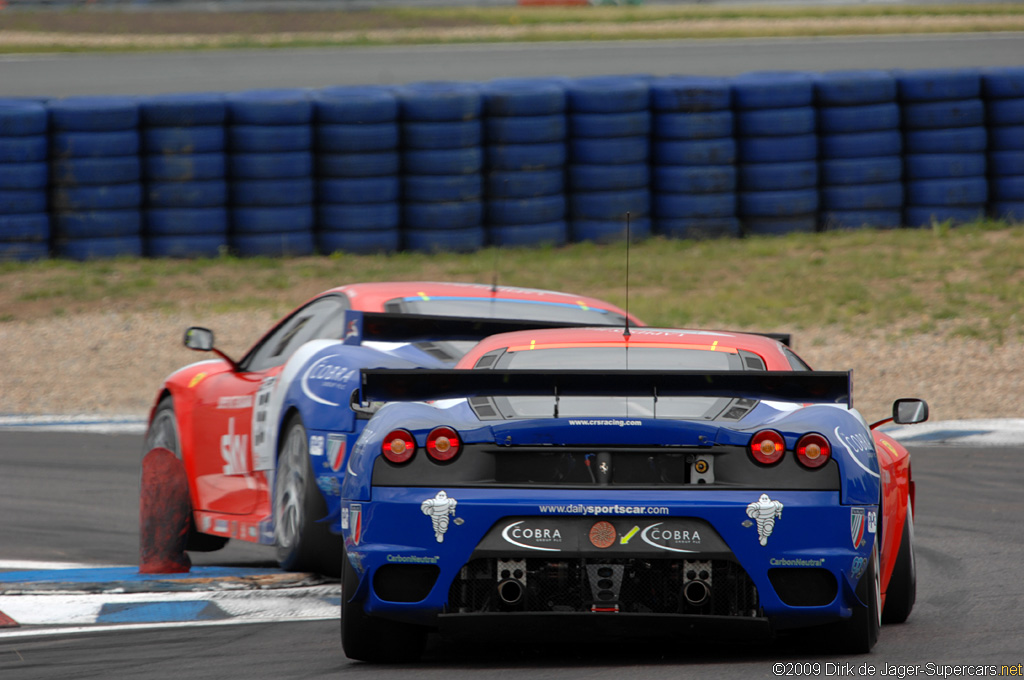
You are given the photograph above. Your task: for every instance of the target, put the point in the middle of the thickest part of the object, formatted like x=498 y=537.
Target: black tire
x=355 y=104
x=902 y=591
x=183 y=109
x=847 y=88
x=690 y=94
x=772 y=90
x=367 y=638
x=270 y=107
x=302 y=542
x=941 y=115
x=93 y=114
x=190 y=139
x=163 y=432
x=922 y=85
x=861 y=630
x=269 y=138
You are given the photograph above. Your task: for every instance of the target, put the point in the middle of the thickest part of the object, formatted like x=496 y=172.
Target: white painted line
x=33 y=565
x=116 y=424
x=130 y=627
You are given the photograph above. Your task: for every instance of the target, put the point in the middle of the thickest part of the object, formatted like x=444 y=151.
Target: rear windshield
x=505 y=308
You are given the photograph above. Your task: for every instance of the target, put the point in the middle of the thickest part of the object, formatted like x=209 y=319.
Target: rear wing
x=819 y=387
x=387 y=327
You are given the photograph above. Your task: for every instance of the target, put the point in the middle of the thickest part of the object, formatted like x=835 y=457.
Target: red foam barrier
x=164 y=514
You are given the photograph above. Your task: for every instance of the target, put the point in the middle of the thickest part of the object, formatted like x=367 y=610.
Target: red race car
x=263 y=439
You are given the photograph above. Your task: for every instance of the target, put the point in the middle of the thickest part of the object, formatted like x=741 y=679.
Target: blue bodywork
x=462 y=532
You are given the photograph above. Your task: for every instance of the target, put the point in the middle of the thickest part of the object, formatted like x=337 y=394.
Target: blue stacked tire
x=694 y=158
x=777 y=152
x=609 y=149
x=357 y=135
x=944 y=159
x=184 y=170
x=1003 y=92
x=525 y=131
x=271 y=189
x=442 y=160
x=860 y=151
x=96 y=183
x=24 y=179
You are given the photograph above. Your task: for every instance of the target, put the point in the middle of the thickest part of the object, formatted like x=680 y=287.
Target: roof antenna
x=625 y=332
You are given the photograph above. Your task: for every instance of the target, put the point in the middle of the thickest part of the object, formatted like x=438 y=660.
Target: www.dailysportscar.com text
x=895 y=670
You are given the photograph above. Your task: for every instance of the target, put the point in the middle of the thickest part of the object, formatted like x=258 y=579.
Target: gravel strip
x=114 y=362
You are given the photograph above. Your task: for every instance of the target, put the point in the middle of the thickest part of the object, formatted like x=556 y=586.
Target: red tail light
x=767 y=447
x=398 y=447
x=443 y=444
x=813 y=450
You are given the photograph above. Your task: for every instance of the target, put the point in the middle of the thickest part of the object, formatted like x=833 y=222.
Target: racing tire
x=797 y=120
x=778 y=149
x=694 y=152
x=525 y=129
x=183 y=109
x=163 y=433
x=439 y=101
x=690 y=94
x=269 y=138
x=610 y=150
x=941 y=115
x=1007 y=138
x=94 y=114
x=602 y=125
x=176 y=140
x=1004 y=111
x=355 y=104
x=368 y=638
x=922 y=85
x=862 y=628
x=705 y=125
x=554 y=233
x=607 y=94
x=376 y=164
x=525 y=156
x=357 y=137
x=93 y=144
x=902 y=591
x=778 y=176
x=184 y=167
x=523 y=97
x=301 y=541
x=93 y=171
x=28 y=149
x=772 y=90
x=23 y=251
x=847 y=119
x=1003 y=82
x=952 y=140
x=694 y=179
x=585 y=177
x=284 y=165
x=185 y=247
x=270 y=107
x=454 y=134
x=871 y=170
x=848 y=88
x=22 y=118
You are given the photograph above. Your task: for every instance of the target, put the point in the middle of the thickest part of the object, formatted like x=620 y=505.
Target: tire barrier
x=270 y=187
x=1003 y=93
x=95 y=177
x=861 y=183
x=944 y=156
x=609 y=122
x=442 y=158
x=24 y=181
x=693 y=169
x=444 y=166
x=525 y=130
x=358 y=170
x=777 y=152
x=184 y=171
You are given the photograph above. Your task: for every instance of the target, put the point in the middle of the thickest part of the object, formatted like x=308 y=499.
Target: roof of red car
x=566 y=338
x=371 y=297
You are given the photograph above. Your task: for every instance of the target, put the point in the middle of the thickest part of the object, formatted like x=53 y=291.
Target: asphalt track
x=73 y=497
x=57 y=75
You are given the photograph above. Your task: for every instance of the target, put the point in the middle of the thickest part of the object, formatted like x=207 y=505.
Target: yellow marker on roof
x=196 y=379
x=714 y=345
x=423 y=295
x=533 y=344
x=582 y=305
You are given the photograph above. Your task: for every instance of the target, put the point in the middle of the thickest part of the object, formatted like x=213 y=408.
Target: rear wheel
x=163 y=433
x=367 y=638
x=902 y=591
x=303 y=543
x=861 y=630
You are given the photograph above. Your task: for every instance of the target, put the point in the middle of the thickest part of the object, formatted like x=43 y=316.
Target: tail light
x=813 y=450
x=443 y=444
x=398 y=447
x=767 y=447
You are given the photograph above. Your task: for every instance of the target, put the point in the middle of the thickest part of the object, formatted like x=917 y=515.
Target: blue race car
x=641 y=479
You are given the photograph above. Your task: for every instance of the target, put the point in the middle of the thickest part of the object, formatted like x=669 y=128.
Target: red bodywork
x=218 y=408
x=893 y=458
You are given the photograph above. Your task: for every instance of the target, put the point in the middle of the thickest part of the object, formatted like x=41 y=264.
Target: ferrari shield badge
x=857 y=526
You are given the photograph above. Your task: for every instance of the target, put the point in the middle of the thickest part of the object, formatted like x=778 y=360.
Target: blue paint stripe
x=122 y=574
x=156 y=612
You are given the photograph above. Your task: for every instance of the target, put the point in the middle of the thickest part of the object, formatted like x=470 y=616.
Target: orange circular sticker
x=602 y=535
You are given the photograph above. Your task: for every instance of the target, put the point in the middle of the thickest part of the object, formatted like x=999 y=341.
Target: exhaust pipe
x=697 y=593
x=510 y=591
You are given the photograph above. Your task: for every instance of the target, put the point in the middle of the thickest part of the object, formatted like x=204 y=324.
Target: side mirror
x=909 y=411
x=199 y=339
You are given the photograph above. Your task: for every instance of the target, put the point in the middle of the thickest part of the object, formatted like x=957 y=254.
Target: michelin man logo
x=438 y=509
x=764 y=511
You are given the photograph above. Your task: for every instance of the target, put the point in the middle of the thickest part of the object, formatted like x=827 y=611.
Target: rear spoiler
x=387 y=327
x=820 y=387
